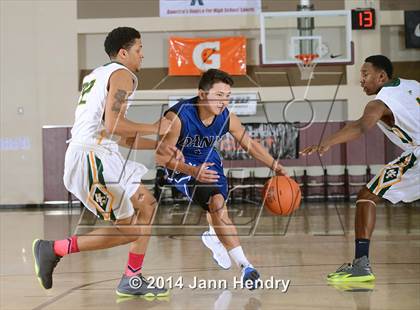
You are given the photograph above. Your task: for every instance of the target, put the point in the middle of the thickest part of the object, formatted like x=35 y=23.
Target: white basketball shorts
x=399 y=180
x=102 y=179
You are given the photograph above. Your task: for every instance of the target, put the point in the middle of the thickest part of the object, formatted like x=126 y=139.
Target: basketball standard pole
x=305 y=26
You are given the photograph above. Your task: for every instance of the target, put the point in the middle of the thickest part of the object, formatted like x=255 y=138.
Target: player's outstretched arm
x=373 y=112
x=252 y=147
x=200 y=173
x=140 y=143
x=120 y=87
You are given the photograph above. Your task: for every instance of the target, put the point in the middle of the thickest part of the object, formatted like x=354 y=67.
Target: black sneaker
x=139 y=286
x=45 y=261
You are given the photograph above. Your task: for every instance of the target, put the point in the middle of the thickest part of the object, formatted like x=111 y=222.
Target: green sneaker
x=139 y=286
x=353 y=286
x=359 y=271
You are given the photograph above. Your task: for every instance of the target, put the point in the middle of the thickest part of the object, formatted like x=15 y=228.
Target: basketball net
x=306 y=65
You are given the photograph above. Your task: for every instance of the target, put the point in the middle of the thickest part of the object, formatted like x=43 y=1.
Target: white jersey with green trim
x=402 y=97
x=89 y=124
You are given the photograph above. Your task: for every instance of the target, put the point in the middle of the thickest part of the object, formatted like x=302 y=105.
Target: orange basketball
x=281 y=195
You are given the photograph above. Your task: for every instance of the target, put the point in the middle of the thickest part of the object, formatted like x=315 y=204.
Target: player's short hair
x=118 y=38
x=381 y=62
x=213 y=76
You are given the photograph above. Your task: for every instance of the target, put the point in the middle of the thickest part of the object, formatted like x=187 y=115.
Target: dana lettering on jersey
x=199 y=141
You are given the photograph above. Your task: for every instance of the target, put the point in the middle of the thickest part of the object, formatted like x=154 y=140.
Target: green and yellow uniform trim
x=393 y=83
x=404 y=137
x=391 y=174
x=99 y=196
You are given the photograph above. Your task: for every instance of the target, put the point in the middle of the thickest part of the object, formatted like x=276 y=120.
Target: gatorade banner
x=280 y=139
x=171 y=8
x=192 y=56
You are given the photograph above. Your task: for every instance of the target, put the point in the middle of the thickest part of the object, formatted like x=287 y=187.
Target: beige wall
x=38 y=73
x=386 y=39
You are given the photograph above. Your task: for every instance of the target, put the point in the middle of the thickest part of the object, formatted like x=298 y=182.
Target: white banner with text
x=172 y=8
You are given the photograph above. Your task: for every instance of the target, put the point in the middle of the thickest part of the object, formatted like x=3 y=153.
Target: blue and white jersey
x=197 y=142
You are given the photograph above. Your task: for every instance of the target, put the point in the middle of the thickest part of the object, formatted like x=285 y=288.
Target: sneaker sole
x=353 y=286
x=147 y=295
x=207 y=246
x=36 y=263
x=122 y=299
x=347 y=278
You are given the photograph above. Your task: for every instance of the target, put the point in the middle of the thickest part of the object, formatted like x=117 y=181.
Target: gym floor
x=304 y=248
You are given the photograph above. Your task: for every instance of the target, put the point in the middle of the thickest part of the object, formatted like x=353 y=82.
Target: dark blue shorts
x=198 y=192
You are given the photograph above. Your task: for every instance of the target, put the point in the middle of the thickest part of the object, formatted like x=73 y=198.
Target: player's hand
x=321 y=149
x=162 y=126
x=165 y=153
x=179 y=156
x=205 y=175
x=278 y=169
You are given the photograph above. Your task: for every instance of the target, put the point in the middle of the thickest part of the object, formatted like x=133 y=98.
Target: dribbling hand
x=278 y=169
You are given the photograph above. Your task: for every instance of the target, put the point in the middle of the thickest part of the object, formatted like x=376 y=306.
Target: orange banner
x=189 y=56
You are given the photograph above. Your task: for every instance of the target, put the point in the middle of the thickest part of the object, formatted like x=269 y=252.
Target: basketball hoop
x=306 y=65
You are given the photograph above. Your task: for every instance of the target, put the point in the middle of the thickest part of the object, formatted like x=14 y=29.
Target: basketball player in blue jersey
x=396 y=111
x=197 y=124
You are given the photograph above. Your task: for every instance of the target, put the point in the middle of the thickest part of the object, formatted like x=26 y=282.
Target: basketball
x=281 y=195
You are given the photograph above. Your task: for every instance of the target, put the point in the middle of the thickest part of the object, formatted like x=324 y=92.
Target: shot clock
x=363 y=19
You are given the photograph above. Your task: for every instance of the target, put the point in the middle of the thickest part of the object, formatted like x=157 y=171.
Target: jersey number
x=86 y=88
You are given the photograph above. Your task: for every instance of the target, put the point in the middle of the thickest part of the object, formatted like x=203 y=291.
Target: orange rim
x=306 y=58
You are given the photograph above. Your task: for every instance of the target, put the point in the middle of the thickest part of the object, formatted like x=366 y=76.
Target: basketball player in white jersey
x=99 y=176
x=396 y=110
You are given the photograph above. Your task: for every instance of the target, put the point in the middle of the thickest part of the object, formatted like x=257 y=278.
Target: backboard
x=289 y=37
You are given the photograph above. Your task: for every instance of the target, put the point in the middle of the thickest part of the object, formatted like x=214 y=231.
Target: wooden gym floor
x=316 y=240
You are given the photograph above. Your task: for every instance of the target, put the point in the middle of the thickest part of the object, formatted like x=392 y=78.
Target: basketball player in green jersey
x=396 y=110
x=95 y=172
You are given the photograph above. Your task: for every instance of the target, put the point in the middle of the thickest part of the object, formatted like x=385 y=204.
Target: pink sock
x=134 y=264
x=66 y=246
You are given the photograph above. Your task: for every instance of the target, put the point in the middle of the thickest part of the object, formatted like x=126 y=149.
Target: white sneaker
x=220 y=255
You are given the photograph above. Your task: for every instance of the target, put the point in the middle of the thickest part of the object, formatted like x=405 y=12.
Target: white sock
x=239 y=257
